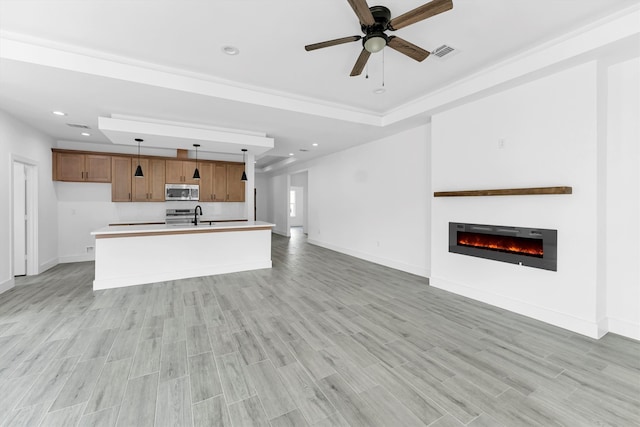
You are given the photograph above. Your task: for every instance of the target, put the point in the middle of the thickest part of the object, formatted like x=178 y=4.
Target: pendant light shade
x=244 y=173
x=196 y=173
x=138 y=173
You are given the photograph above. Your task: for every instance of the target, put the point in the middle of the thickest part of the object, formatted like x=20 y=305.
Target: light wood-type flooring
x=322 y=339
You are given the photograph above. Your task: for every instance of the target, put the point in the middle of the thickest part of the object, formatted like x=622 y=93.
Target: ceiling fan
x=375 y=20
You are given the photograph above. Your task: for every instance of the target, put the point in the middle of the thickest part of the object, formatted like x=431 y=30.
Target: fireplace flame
x=515 y=245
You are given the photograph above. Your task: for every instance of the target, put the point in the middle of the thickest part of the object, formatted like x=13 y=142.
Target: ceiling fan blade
x=419 y=13
x=409 y=49
x=361 y=8
x=331 y=43
x=360 y=63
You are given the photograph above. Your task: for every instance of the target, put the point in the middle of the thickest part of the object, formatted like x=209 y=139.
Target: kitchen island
x=128 y=255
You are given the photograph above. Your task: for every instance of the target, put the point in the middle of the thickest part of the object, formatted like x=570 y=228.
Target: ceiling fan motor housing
x=382 y=16
x=375 y=39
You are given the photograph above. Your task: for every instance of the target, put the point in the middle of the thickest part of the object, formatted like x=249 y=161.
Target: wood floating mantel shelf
x=505 y=192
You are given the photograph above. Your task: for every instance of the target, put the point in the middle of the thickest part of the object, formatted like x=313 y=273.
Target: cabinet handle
x=129 y=196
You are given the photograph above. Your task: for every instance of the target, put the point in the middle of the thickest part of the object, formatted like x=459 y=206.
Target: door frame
x=31 y=173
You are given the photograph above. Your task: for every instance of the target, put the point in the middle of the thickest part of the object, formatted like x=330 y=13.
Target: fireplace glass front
x=532 y=247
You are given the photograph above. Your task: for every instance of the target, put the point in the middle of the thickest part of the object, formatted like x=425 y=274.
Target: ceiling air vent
x=75 y=125
x=445 y=50
x=303 y=149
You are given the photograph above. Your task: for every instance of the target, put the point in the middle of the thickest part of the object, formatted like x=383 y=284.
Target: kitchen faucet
x=195 y=214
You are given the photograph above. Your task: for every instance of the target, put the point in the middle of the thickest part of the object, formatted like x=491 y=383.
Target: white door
x=19 y=220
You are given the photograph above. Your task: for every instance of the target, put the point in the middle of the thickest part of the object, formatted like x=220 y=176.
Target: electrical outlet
x=501 y=143
x=89 y=248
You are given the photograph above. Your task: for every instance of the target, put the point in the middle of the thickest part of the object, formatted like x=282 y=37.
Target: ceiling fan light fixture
x=375 y=42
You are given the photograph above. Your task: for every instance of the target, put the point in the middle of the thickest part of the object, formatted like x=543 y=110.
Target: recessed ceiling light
x=85 y=134
x=379 y=91
x=59 y=113
x=291 y=154
x=230 y=50
x=315 y=144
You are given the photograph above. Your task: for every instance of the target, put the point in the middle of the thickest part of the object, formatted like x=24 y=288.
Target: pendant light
x=196 y=173
x=138 y=173
x=244 y=174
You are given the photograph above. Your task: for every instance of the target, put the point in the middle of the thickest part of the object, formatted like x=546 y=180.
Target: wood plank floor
x=322 y=339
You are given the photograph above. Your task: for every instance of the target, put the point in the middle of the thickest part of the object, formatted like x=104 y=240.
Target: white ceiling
x=273 y=86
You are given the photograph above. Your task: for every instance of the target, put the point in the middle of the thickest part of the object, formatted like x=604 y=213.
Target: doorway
x=298 y=202
x=24 y=218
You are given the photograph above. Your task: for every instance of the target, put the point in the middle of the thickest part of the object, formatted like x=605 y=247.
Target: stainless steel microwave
x=181 y=192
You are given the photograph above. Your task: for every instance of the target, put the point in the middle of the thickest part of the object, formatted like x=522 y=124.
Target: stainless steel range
x=179 y=216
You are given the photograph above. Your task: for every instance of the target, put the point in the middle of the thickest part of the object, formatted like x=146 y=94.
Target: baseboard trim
x=407 y=268
x=47 y=265
x=77 y=258
x=9 y=284
x=624 y=328
x=562 y=320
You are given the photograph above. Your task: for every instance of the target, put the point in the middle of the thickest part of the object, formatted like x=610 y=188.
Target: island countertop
x=164 y=229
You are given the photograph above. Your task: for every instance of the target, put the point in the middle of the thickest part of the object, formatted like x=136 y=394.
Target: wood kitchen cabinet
x=180 y=172
x=122 y=175
x=227 y=186
x=78 y=167
x=219 y=182
x=235 y=187
x=150 y=186
x=206 y=182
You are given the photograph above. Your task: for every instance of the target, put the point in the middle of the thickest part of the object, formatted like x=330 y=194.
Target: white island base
x=135 y=255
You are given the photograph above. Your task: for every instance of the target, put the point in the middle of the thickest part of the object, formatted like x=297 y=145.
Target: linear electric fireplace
x=532 y=247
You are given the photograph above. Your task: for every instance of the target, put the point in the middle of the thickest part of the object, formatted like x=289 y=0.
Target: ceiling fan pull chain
x=366 y=74
x=383 y=68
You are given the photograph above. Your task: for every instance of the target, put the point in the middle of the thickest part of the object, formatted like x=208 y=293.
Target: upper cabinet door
x=235 y=187
x=173 y=172
x=69 y=167
x=219 y=182
x=122 y=176
x=157 y=173
x=97 y=168
x=206 y=182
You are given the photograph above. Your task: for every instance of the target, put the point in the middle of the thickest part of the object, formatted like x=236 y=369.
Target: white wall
x=623 y=199
x=551 y=133
x=22 y=142
x=370 y=201
x=263 y=201
x=278 y=195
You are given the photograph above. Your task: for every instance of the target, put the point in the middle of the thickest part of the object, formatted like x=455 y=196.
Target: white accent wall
x=547 y=132
x=368 y=201
x=22 y=142
x=623 y=199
